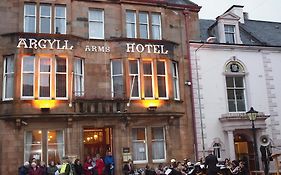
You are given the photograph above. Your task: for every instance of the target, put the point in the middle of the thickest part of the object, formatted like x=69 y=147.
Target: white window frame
x=95 y=22
x=46 y=73
x=152 y=79
x=59 y=17
x=175 y=80
x=61 y=73
x=116 y=75
x=76 y=93
x=146 y=24
x=166 y=79
x=41 y=142
x=28 y=72
x=153 y=24
x=139 y=83
x=232 y=33
x=7 y=73
x=235 y=88
x=146 y=146
x=217 y=150
x=47 y=144
x=164 y=140
x=30 y=16
x=132 y=23
x=42 y=16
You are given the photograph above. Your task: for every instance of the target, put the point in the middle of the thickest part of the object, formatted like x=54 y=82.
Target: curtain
x=28 y=145
x=139 y=151
x=60 y=143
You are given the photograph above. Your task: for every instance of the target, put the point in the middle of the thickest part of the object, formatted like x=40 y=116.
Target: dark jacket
x=78 y=169
x=211 y=163
x=23 y=170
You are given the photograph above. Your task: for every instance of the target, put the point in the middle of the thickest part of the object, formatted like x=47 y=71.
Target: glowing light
x=95 y=136
x=150 y=103
x=39 y=132
x=45 y=104
x=88 y=138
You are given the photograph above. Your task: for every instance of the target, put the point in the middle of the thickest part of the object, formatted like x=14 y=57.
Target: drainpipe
x=186 y=15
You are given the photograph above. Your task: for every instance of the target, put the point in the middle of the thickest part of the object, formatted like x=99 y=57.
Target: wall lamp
x=151 y=108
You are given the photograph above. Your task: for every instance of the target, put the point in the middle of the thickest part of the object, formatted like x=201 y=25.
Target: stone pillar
x=231 y=145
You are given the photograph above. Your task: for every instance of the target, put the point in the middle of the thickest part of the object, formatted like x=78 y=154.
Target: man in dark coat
x=211 y=164
x=23 y=170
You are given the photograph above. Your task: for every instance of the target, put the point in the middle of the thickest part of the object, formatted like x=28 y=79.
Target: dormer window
x=229 y=31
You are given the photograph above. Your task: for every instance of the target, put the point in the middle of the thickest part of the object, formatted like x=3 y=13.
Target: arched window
x=235 y=86
x=217 y=150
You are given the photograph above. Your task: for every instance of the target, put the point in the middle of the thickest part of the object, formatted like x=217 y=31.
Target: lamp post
x=252 y=114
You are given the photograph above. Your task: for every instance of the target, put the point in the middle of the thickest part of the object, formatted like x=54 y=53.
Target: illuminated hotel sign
x=149 y=48
x=44 y=44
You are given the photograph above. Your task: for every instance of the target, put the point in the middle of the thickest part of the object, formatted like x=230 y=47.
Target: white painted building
x=238 y=68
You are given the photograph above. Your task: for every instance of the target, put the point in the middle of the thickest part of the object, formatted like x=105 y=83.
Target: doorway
x=97 y=141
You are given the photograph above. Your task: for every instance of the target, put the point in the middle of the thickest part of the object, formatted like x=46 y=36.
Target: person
x=78 y=169
x=87 y=167
x=99 y=165
x=211 y=163
x=43 y=168
x=160 y=169
x=128 y=168
x=23 y=170
x=51 y=170
x=34 y=169
x=65 y=167
x=109 y=163
x=172 y=170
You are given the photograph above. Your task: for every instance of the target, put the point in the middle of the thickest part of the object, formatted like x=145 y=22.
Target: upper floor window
x=235 y=85
x=141 y=27
x=148 y=79
x=96 y=23
x=61 y=77
x=79 y=77
x=134 y=75
x=30 y=18
x=45 y=78
x=28 y=77
x=8 y=78
x=229 y=31
x=161 y=79
x=48 y=23
x=117 y=85
x=175 y=74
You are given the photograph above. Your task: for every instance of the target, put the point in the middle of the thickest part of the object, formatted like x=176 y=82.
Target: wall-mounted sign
x=104 y=49
x=33 y=43
x=149 y=48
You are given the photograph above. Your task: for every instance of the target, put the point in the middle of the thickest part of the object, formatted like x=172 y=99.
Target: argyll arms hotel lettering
x=43 y=44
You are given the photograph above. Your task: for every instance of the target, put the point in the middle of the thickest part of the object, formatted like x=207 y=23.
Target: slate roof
x=252 y=32
x=181 y=2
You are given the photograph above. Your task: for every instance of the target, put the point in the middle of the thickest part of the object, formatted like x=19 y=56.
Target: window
x=131 y=24
x=61 y=77
x=30 y=18
x=60 y=20
x=96 y=24
x=158 y=144
x=28 y=77
x=139 y=144
x=217 y=150
x=134 y=78
x=143 y=25
x=79 y=77
x=161 y=79
x=44 y=142
x=45 y=19
x=175 y=74
x=148 y=79
x=45 y=78
x=8 y=78
x=235 y=86
x=156 y=26
x=117 y=85
x=229 y=33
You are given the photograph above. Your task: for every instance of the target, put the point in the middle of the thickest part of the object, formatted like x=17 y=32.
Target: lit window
x=60 y=20
x=8 y=79
x=45 y=19
x=148 y=79
x=139 y=144
x=131 y=24
x=158 y=144
x=61 y=78
x=143 y=24
x=30 y=18
x=45 y=78
x=229 y=33
x=96 y=24
x=156 y=26
x=33 y=145
x=176 y=80
x=217 y=150
x=161 y=79
x=117 y=78
x=28 y=77
x=134 y=78
x=79 y=77
x=55 y=145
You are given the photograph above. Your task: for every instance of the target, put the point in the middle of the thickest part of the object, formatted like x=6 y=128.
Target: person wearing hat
x=65 y=167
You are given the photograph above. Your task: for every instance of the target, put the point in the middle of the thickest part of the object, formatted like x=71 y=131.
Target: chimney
x=246 y=15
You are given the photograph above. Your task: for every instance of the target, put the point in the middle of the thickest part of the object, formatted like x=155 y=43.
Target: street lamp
x=252 y=114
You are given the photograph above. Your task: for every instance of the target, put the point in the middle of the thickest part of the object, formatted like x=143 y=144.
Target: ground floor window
x=44 y=143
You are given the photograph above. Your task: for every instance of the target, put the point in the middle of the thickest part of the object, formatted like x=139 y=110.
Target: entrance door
x=97 y=141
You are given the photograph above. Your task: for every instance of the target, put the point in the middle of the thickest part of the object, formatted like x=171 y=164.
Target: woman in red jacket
x=87 y=167
x=99 y=165
x=34 y=169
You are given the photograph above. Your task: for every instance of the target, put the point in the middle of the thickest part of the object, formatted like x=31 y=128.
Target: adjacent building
x=82 y=77
x=235 y=66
